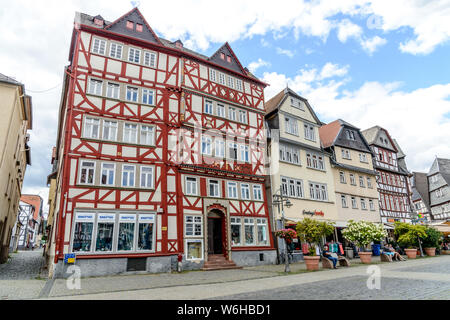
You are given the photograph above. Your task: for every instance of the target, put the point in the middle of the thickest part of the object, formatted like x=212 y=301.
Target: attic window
x=139 y=27
x=222 y=56
x=130 y=25
x=98 y=22
x=229 y=59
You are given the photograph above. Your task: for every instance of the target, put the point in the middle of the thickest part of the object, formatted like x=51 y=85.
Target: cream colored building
x=353 y=173
x=15 y=120
x=298 y=165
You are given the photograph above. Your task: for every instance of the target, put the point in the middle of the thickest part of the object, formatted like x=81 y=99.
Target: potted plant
x=362 y=233
x=311 y=231
x=410 y=236
x=431 y=241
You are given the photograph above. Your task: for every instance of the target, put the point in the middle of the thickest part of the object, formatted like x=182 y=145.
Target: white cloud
x=285 y=52
x=347 y=29
x=332 y=70
x=253 y=66
x=421 y=131
x=372 y=44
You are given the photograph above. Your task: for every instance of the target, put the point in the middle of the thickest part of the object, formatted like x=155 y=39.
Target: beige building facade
x=353 y=173
x=16 y=119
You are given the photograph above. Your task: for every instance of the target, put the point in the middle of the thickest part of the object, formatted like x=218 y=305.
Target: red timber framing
x=175 y=79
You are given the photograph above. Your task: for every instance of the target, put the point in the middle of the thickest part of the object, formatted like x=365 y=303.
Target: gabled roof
x=420 y=188
x=442 y=166
x=371 y=135
x=329 y=132
x=120 y=26
x=10 y=80
x=275 y=102
x=400 y=153
x=226 y=50
x=34 y=200
x=334 y=134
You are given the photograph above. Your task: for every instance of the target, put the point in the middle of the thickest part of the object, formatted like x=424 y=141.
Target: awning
x=388 y=226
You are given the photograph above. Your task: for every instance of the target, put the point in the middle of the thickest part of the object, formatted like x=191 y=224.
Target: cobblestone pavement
x=19 y=276
x=268 y=282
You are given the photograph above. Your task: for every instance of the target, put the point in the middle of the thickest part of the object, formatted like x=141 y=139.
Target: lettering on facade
x=314 y=213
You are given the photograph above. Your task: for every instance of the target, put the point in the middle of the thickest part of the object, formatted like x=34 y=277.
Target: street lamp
x=279 y=199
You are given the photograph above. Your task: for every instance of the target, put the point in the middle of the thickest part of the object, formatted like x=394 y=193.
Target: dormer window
x=139 y=27
x=98 y=22
x=229 y=59
x=350 y=135
x=222 y=56
x=130 y=25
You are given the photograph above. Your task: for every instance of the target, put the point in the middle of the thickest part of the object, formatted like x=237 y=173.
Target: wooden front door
x=215 y=245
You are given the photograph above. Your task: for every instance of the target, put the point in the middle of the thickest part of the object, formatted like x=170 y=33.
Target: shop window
x=82 y=237
x=194 y=249
x=249 y=231
x=105 y=231
x=262 y=231
x=236 y=228
x=146 y=232
x=125 y=241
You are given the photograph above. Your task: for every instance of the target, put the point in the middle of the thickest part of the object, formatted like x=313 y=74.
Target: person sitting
x=445 y=246
x=396 y=255
x=387 y=250
x=326 y=253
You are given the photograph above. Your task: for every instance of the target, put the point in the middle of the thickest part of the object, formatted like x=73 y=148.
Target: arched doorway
x=216 y=232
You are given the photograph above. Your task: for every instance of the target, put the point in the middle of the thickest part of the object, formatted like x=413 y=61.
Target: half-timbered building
x=393 y=176
x=159 y=153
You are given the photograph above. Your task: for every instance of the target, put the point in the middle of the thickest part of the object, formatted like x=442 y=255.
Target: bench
x=328 y=264
x=385 y=257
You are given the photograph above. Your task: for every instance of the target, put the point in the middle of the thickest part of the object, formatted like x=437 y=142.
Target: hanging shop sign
x=314 y=213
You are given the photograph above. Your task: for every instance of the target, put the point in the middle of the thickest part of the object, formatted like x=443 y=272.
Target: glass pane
x=236 y=234
x=126 y=236
x=145 y=240
x=249 y=236
x=194 y=250
x=104 y=237
x=262 y=235
x=82 y=236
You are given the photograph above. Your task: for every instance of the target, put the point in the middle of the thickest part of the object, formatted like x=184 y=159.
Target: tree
x=362 y=233
x=410 y=235
x=311 y=231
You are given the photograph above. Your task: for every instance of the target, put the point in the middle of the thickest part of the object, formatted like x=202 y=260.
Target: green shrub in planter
x=362 y=233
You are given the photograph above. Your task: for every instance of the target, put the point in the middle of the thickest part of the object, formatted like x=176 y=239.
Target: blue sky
x=368 y=62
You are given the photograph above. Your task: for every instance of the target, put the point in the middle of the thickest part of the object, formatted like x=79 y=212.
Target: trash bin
x=376 y=249
x=349 y=252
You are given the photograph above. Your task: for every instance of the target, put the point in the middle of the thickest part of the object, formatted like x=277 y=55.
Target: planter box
x=366 y=257
x=411 y=253
x=430 y=251
x=312 y=262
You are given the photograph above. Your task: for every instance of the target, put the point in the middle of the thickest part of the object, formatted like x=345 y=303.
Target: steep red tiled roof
x=35 y=201
x=329 y=132
x=273 y=102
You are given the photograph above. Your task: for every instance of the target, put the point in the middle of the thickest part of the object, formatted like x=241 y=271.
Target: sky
x=369 y=63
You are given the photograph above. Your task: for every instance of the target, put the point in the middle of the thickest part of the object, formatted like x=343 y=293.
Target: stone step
x=220 y=268
x=218 y=264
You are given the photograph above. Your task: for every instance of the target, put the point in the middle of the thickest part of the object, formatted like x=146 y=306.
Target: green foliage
x=312 y=231
x=408 y=235
x=362 y=233
x=432 y=238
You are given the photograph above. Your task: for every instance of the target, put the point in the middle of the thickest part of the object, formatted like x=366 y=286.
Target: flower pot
x=430 y=252
x=312 y=262
x=366 y=257
x=411 y=253
x=445 y=251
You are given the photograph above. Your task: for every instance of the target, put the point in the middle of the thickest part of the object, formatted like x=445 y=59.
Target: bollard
x=180 y=259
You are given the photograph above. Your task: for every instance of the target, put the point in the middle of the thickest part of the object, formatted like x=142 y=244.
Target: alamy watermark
x=374 y=280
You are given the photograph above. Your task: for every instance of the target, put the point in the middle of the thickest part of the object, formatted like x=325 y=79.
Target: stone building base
x=254 y=258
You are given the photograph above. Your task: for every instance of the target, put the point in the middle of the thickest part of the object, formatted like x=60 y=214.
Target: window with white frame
x=220 y=110
x=371 y=205
x=134 y=55
x=362 y=157
x=221 y=78
x=231 y=82
x=291 y=125
x=236 y=231
x=296 y=103
x=352 y=179
x=314 y=161
x=361 y=182
x=344 y=201
x=146 y=232
x=342 y=177
x=150 y=59
x=249 y=231
x=354 y=203
x=208 y=107
x=212 y=75
x=214 y=188
x=110 y=130
x=219 y=148
x=369 y=182
x=232 y=113
x=108 y=174
x=147 y=135
x=261 y=225
x=91 y=128
x=128 y=175
x=284 y=186
x=257 y=193
x=95 y=87
x=148 y=96
x=245 y=191
x=113 y=90
x=243 y=116
x=83 y=232
x=244 y=153
x=126 y=234
x=115 y=51
x=232 y=190
x=105 y=231
x=130 y=133
x=147 y=177
x=193 y=226
x=232 y=151
x=206 y=145
x=191 y=186
x=350 y=134
x=292 y=187
x=239 y=84
x=309 y=132
x=99 y=46
x=345 y=153
x=363 y=204
x=318 y=191
x=289 y=154
x=132 y=94
x=87 y=172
